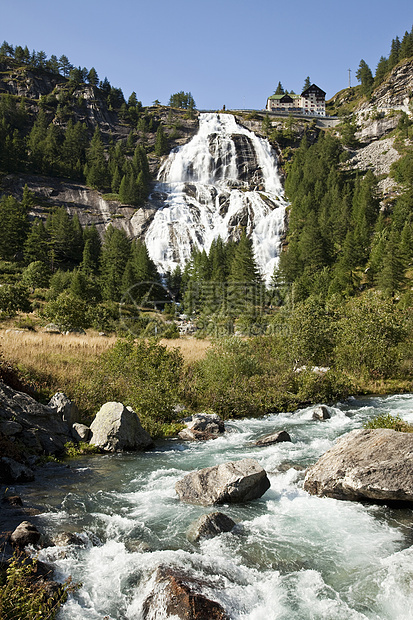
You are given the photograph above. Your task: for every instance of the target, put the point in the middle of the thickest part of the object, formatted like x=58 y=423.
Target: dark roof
x=313 y=88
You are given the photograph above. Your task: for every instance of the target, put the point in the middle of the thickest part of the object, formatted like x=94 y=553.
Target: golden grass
x=61 y=362
x=192 y=349
x=57 y=361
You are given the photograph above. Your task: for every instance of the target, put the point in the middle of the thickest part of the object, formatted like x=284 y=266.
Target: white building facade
x=312 y=101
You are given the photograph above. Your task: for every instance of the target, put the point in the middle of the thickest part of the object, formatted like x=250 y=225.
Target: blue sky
x=230 y=52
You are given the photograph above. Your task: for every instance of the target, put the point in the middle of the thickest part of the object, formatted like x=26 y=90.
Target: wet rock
x=321 y=413
x=232 y=482
x=365 y=464
x=66 y=408
x=25 y=534
x=12 y=471
x=81 y=432
x=117 y=428
x=179 y=594
x=12 y=500
x=68 y=538
x=278 y=437
x=202 y=426
x=209 y=526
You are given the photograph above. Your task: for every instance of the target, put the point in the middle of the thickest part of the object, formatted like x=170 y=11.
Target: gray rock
x=209 y=526
x=43 y=430
x=51 y=328
x=117 y=428
x=321 y=413
x=202 y=426
x=278 y=437
x=81 y=432
x=25 y=534
x=10 y=428
x=68 y=538
x=12 y=471
x=236 y=481
x=66 y=408
x=375 y=465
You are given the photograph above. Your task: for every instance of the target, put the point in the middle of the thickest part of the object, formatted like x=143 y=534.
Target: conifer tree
x=36 y=245
x=114 y=257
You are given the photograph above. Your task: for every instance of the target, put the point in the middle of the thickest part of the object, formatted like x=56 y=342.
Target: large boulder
x=66 y=408
x=178 y=594
x=209 y=526
x=81 y=432
x=25 y=534
x=233 y=482
x=39 y=427
x=202 y=426
x=365 y=464
x=117 y=428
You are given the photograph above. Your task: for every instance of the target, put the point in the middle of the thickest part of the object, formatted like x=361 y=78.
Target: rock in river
x=209 y=526
x=233 y=482
x=116 y=428
x=366 y=464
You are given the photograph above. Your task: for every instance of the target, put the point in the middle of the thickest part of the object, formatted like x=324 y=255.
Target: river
x=292 y=556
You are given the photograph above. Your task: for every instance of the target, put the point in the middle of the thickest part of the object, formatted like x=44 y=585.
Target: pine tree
x=161 y=142
x=96 y=169
x=114 y=257
x=36 y=245
x=14 y=227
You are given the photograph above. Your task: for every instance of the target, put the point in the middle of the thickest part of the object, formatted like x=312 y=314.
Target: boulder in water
x=268 y=440
x=365 y=464
x=181 y=595
x=202 y=426
x=233 y=482
x=209 y=526
x=25 y=534
x=117 y=428
x=321 y=413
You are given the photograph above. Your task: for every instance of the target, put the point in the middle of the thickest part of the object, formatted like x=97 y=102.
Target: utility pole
x=349 y=78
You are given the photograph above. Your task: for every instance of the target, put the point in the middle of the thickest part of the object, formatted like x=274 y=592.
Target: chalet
x=311 y=101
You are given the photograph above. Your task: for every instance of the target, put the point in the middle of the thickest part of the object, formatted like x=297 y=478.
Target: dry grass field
x=59 y=362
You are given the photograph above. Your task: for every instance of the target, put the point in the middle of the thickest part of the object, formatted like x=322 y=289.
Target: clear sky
x=231 y=52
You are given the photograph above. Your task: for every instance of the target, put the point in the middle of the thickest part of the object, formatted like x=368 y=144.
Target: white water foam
x=293 y=556
x=205 y=198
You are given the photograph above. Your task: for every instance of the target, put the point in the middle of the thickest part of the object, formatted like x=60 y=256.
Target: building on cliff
x=312 y=101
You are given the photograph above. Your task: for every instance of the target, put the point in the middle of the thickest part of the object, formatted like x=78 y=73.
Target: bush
x=386 y=420
x=144 y=375
x=14 y=297
x=26 y=596
x=67 y=311
x=369 y=334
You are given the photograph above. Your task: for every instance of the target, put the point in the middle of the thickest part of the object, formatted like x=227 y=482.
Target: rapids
x=292 y=557
x=225 y=178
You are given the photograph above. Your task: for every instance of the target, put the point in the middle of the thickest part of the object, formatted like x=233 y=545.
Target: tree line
x=399 y=50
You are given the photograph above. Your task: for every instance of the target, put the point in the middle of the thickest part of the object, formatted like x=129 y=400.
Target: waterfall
x=226 y=178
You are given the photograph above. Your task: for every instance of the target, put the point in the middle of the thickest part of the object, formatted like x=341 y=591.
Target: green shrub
x=26 y=596
x=386 y=420
x=143 y=375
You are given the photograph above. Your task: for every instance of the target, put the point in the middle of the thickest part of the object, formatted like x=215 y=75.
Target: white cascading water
x=293 y=556
x=225 y=178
